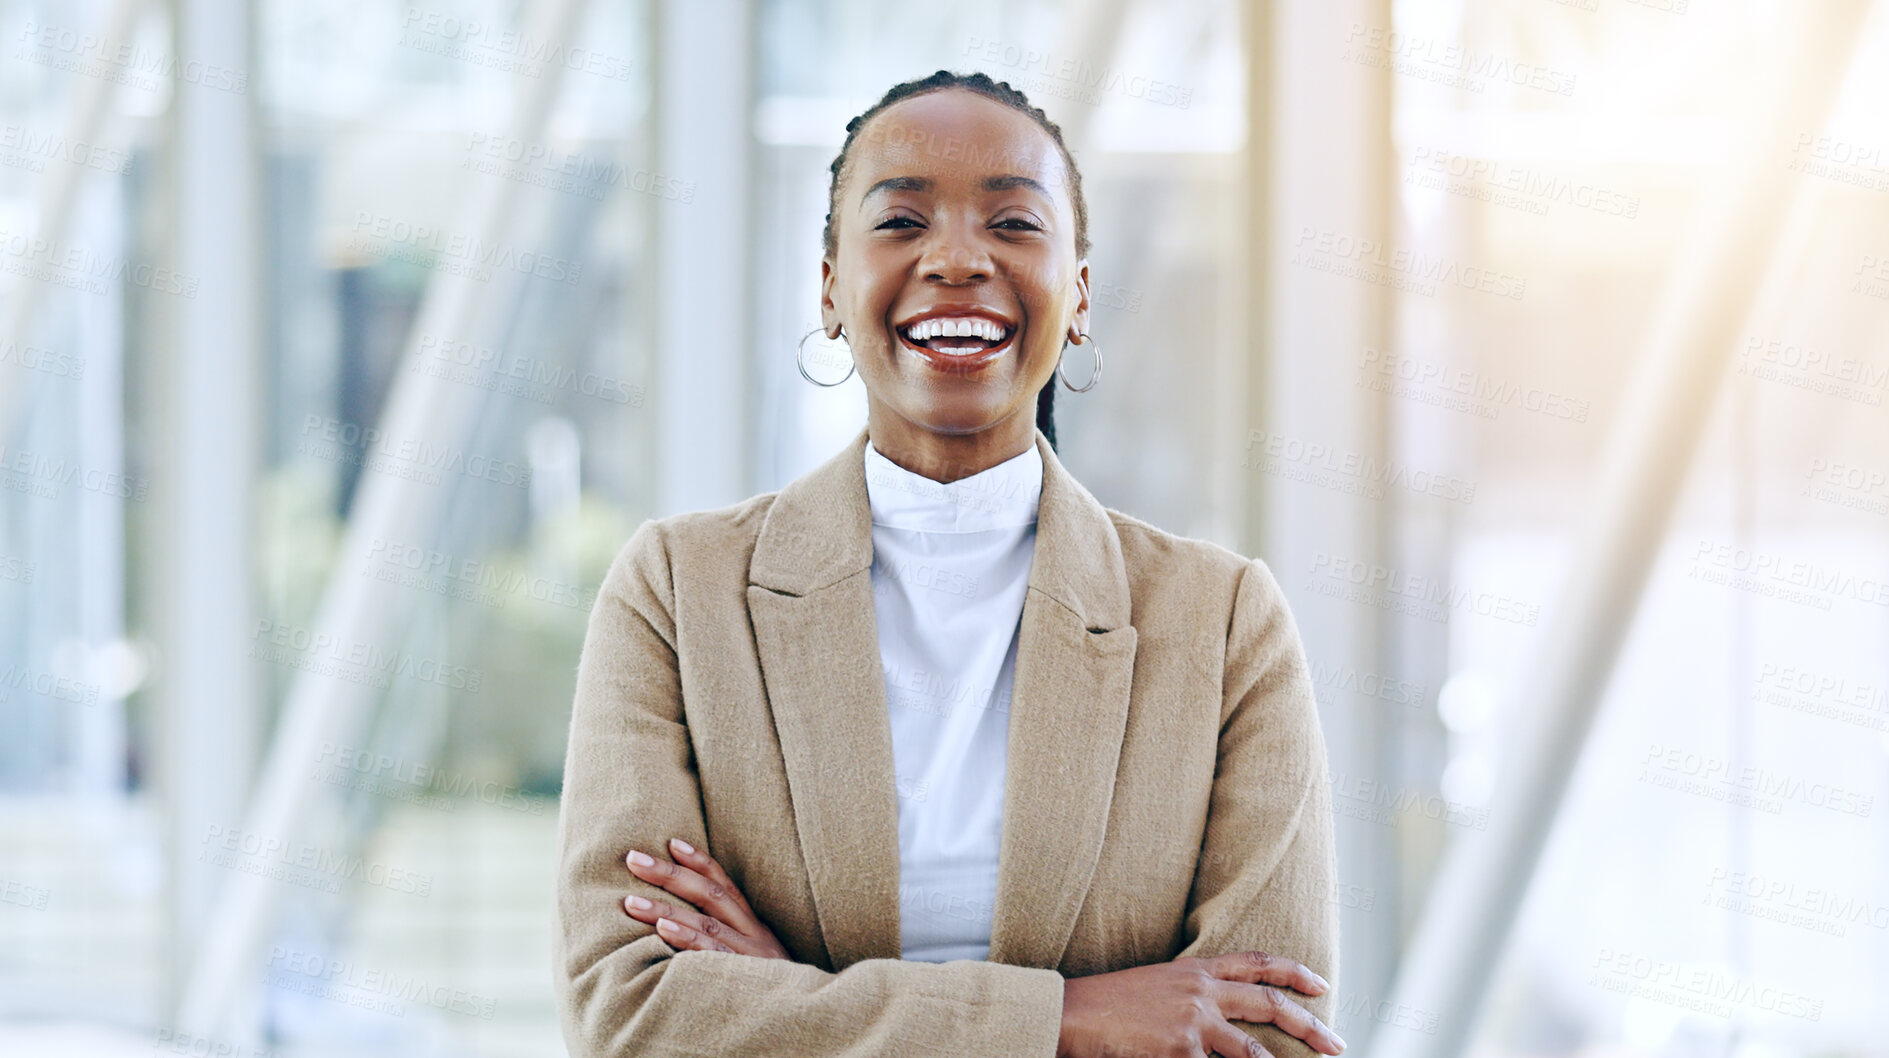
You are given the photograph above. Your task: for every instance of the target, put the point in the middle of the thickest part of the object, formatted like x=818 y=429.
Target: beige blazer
x=1166 y=792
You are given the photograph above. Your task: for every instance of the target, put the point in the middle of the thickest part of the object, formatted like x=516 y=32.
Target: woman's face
x=955 y=273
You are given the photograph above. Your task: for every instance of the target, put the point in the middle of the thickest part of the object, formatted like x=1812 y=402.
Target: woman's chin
x=956 y=418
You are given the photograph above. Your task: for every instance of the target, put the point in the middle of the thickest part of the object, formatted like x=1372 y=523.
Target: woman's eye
x=897 y=222
x=1019 y=224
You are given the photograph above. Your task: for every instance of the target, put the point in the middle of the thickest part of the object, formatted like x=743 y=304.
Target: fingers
x=680 y=926
x=1257 y=967
x=1260 y=1003
x=682 y=936
x=701 y=930
x=714 y=895
x=1228 y=1041
x=704 y=864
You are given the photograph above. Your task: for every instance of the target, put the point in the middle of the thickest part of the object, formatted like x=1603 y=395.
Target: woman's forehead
x=954 y=137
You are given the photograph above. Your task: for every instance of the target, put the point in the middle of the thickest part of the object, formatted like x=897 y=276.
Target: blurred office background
x=1539 y=346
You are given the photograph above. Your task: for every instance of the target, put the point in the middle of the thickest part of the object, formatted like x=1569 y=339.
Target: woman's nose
x=953 y=256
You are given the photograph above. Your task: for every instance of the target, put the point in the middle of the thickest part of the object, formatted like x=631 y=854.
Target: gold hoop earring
x=1094 y=376
x=800 y=354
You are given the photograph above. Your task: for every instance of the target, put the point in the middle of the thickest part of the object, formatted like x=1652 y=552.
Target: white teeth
x=957 y=327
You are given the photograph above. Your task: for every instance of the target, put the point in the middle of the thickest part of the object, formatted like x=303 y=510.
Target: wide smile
x=957 y=344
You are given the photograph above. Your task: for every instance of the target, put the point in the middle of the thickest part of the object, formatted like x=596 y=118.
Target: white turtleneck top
x=950 y=566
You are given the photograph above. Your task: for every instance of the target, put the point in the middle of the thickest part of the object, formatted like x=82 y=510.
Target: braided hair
x=1001 y=92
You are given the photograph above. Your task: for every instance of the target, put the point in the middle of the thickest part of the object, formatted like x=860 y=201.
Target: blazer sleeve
x=1268 y=862
x=622 y=991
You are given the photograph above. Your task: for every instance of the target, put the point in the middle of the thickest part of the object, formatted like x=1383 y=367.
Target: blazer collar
x=810 y=599
x=819 y=531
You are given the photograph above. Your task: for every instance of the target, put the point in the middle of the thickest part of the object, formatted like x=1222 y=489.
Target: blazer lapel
x=816 y=633
x=1068 y=712
x=810 y=599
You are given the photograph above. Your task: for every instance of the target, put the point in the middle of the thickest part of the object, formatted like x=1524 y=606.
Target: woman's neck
x=946 y=457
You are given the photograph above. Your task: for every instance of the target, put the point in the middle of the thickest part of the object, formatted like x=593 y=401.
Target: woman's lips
x=953 y=362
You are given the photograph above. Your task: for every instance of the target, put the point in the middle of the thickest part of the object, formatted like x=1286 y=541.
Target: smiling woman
x=958 y=180
x=928 y=751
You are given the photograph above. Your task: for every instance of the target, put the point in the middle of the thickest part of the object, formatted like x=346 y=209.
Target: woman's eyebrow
x=919 y=183
x=895 y=183
x=1005 y=183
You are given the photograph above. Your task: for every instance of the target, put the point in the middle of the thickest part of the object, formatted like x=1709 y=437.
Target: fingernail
x=681 y=846
x=1323 y=985
x=640 y=904
x=642 y=859
x=1341 y=1041
x=663 y=923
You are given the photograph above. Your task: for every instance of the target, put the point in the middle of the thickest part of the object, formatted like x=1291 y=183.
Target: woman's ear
x=1080 y=323
x=829 y=313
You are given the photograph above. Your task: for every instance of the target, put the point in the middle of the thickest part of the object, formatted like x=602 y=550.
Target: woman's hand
x=716 y=918
x=1187 y=1006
